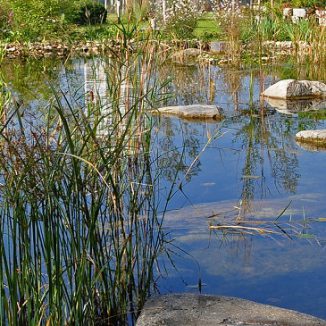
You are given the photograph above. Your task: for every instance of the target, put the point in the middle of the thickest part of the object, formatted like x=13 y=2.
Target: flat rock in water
x=317 y=138
x=190 y=54
x=296 y=89
x=195 y=309
x=194 y=111
x=296 y=106
x=218 y=46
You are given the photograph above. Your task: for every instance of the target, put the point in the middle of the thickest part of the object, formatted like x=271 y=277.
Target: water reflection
x=296 y=106
x=246 y=168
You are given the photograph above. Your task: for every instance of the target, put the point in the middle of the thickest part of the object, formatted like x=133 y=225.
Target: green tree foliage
x=35 y=20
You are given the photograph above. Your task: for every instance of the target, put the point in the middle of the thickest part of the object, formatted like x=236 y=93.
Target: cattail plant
x=79 y=223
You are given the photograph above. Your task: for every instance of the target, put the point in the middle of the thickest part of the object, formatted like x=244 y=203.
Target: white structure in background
x=298 y=14
x=96 y=83
x=321 y=16
x=95 y=87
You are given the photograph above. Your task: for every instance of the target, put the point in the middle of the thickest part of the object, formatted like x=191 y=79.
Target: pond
x=247 y=213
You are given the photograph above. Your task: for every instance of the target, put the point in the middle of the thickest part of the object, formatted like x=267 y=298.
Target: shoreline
x=61 y=49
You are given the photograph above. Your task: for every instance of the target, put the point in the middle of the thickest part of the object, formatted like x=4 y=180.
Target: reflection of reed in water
x=79 y=227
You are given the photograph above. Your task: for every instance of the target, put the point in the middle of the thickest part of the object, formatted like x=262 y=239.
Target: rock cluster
x=58 y=49
x=297 y=14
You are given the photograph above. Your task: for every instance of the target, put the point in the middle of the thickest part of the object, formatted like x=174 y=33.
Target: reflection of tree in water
x=30 y=79
x=191 y=84
x=179 y=146
x=233 y=81
x=267 y=149
x=269 y=161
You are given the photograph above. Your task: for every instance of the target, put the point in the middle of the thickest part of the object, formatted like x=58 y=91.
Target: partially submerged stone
x=194 y=111
x=218 y=46
x=296 y=106
x=296 y=89
x=190 y=54
x=195 y=309
x=313 y=137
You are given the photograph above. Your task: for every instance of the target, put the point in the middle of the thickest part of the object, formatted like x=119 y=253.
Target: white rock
x=186 y=54
x=296 y=89
x=313 y=137
x=195 y=111
x=299 y=12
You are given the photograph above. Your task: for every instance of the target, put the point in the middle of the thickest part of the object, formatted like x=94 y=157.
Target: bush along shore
x=215 y=51
x=39 y=30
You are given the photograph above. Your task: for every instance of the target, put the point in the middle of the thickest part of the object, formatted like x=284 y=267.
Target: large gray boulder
x=194 y=111
x=296 y=89
x=195 y=309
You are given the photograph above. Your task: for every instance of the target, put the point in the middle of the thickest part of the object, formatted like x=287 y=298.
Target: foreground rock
x=296 y=106
x=296 y=89
x=192 y=309
x=315 y=139
x=194 y=111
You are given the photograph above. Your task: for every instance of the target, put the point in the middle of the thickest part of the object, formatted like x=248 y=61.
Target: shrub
x=181 y=18
x=90 y=14
x=6 y=18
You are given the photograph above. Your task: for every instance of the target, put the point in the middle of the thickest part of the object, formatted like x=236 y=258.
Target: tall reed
x=79 y=224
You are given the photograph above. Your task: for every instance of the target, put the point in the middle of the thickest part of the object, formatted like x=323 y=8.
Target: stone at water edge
x=194 y=111
x=296 y=89
x=317 y=137
x=182 y=56
x=218 y=46
x=195 y=309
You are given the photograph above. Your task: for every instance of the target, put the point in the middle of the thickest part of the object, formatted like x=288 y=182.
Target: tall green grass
x=79 y=224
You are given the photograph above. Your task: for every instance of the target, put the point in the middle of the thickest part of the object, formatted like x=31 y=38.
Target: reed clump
x=80 y=233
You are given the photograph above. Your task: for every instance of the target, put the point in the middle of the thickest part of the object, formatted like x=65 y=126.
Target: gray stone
x=315 y=138
x=218 y=46
x=296 y=106
x=296 y=89
x=195 y=309
x=194 y=111
x=185 y=55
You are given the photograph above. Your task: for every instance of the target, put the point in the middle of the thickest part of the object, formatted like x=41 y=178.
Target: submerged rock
x=296 y=106
x=186 y=55
x=315 y=138
x=194 y=111
x=195 y=309
x=296 y=89
x=218 y=46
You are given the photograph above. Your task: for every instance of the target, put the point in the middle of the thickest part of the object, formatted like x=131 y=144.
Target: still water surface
x=247 y=168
